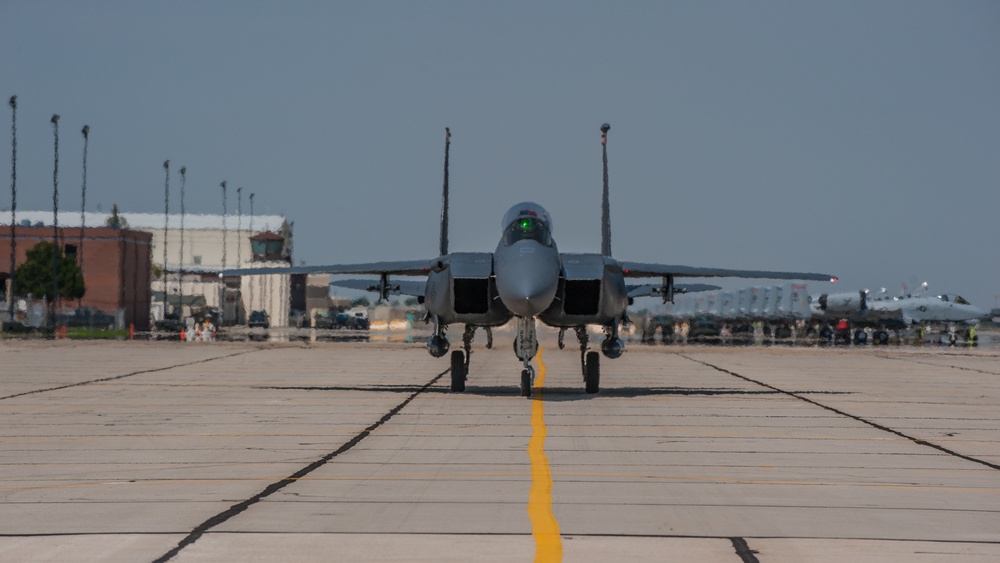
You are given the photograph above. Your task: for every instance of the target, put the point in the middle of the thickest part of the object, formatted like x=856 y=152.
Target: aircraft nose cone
x=527 y=295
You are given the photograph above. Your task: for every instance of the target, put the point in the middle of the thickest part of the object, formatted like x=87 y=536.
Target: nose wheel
x=527 y=380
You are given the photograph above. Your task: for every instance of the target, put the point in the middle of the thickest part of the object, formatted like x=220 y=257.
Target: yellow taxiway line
x=544 y=527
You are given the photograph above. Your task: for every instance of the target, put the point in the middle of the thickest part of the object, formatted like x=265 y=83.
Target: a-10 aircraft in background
x=885 y=313
x=781 y=306
x=527 y=279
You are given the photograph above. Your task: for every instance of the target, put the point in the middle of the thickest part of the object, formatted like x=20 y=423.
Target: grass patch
x=84 y=333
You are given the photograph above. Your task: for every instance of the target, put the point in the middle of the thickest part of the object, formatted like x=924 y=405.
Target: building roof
x=149 y=221
x=267 y=235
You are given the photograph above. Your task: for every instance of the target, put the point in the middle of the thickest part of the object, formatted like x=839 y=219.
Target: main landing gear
x=458 y=371
x=592 y=373
x=460 y=358
x=590 y=362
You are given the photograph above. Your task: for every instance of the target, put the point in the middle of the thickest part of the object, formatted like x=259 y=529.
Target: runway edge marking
x=913 y=439
x=123 y=376
x=544 y=527
x=238 y=508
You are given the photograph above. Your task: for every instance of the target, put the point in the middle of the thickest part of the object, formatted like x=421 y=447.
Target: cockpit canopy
x=529 y=221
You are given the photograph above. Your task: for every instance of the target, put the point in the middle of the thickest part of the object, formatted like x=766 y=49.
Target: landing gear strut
x=583 y=339
x=526 y=346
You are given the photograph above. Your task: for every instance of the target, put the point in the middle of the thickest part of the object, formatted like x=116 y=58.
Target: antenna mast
x=444 y=203
x=605 y=204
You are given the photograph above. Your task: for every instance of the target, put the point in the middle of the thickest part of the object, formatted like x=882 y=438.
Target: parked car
x=86 y=317
x=323 y=320
x=258 y=319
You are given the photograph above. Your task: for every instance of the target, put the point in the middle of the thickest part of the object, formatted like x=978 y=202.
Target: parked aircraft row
x=849 y=312
x=782 y=302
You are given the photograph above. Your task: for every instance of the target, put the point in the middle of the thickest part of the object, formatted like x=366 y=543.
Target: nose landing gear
x=526 y=346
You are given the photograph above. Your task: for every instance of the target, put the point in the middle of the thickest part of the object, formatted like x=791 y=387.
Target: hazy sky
x=856 y=138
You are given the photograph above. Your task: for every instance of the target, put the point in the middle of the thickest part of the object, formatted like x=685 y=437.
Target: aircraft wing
x=397 y=268
x=649 y=290
x=646 y=270
x=406 y=287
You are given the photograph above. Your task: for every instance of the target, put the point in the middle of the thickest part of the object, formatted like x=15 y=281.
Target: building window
x=197 y=260
x=70 y=251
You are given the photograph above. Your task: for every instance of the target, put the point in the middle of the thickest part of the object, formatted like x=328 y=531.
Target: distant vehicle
x=659 y=324
x=324 y=320
x=258 y=319
x=705 y=328
x=87 y=317
x=356 y=321
x=359 y=321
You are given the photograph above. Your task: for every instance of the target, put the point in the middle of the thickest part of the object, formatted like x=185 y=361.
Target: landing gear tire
x=457 y=371
x=882 y=338
x=526 y=383
x=860 y=337
x=592 y=375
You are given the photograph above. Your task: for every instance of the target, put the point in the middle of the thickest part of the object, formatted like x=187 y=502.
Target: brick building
x=117 y=269
x=199 y=248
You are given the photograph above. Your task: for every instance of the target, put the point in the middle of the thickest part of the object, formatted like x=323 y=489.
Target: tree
x=35 y=275
x=359 y=302
x=116 y=221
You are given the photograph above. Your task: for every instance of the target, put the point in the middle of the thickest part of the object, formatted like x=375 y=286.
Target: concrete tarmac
x=157 y=451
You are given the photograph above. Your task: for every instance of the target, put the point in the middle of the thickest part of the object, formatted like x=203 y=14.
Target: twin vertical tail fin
x=605 y=204
x=444 y=202
x=605 y=200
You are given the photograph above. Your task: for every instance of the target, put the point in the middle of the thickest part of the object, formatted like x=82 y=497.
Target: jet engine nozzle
x=438 y=345
x=612 y=348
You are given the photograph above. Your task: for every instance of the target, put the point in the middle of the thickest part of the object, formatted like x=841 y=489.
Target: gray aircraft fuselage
x=527 y=277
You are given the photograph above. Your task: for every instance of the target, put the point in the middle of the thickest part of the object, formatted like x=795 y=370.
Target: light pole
x=180 y=267
x=166 y=217
x=55 y=216
x=239 y=243
x=83 y=197
x=251 y=249
x=222 y=274
x=239 y=226
x=13 y=198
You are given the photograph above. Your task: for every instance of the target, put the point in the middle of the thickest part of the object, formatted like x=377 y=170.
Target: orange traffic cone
x=182 y=334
